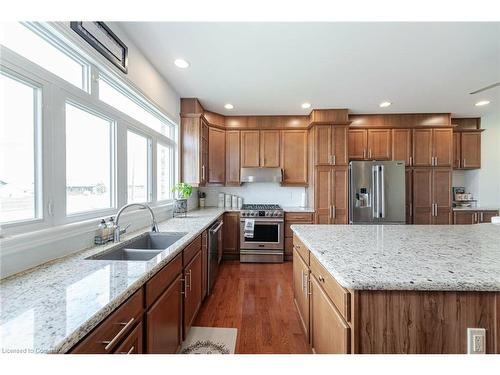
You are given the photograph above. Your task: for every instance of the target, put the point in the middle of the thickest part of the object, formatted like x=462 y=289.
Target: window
x=88 y=161
x=137 y=168
x=19 y=113
x=164 y=172
x=39 y=50
x=115 y=97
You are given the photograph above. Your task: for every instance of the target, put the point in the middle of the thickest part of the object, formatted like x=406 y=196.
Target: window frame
x=172 y=172
x=55 y=92
x=149 y=143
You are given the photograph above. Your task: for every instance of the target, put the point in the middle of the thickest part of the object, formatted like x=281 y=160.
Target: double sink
x=143 y=248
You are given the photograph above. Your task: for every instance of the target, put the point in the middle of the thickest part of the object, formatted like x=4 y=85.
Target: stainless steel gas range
x=263 y=240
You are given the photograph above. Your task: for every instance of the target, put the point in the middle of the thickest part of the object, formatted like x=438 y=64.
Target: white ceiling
x=271 y=68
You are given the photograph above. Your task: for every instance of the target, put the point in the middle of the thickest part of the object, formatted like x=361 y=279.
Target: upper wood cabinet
x=467 y=150
x=331 y=202
x=433 y=147
x=370 y=144
x=294 y=157
x=250 y=148
x=431 y=196
x=401 y=145
x=194 y=155
x=233 y=158
x=216 y=156
x=330 y=145
x=270 y=148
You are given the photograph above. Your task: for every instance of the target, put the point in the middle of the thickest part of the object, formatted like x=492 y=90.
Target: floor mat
x=210 y=340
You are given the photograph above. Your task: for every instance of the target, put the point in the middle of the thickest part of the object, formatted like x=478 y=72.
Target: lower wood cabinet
x=331 y=195
x=231 y=235
x=431 y=196
x=292 y=218
x=192 y=291
x=133 y=343
x=329 y=333
x=473 y=216
x=300 y=289
x=163 y=321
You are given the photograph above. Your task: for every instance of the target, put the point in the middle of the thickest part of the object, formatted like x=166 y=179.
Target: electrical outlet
x=476 y=341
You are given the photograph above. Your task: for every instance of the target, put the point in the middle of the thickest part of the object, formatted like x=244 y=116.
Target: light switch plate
x=476 y=341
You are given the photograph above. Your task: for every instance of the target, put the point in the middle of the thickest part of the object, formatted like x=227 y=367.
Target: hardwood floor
x=257 y=299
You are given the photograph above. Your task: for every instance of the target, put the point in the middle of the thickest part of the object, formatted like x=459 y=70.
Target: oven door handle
x=263 y=221
x=213 y=230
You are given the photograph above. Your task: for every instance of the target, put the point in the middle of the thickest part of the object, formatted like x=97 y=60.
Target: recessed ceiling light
x=482 y=102
x=229 y=106
x=384 y=104
x=306 y=105
x=181 y=63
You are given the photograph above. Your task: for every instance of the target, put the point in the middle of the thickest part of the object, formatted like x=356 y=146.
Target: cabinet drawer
x=133 y=343
x=105 y=337
x=299 y=216
x=191 y=250
x=159 y=282
x=301 y=249
x=339 y=296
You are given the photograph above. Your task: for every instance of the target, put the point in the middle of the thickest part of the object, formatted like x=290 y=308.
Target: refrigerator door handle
x=381 y=192
x=375 y=185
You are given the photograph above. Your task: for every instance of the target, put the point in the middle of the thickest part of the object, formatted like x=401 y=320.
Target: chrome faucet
x=116 y=234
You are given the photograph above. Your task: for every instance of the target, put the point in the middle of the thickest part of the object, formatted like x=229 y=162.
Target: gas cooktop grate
x=261 y=207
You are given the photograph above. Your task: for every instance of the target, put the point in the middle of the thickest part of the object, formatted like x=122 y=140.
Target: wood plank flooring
x=257 y=299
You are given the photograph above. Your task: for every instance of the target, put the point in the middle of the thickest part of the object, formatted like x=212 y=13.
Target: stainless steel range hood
x=261 y=175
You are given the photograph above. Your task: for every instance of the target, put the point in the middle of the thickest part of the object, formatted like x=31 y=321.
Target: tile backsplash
x=259 y=193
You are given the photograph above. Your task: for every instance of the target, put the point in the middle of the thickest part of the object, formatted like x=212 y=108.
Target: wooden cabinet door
x=471 y=149
x=340 y=210
x=456 y=150
x=442 y=144
x=133 y=343
x=330 y=334
x=357 y=144
x=441 y=194
x=379 y=144
x=300 y=289
x=485 y=216
x=409 y=195
x=323 y=144
x=422 y=196
x=401 y=145
x=164 y=321
x=216 y=156
x=323 y=195
x=270 y=148
x=192 y=291
x=294 y=157
x=233 y=158
x=204 y=154
x=250 y=148
x=464 y=217
x=231 y=235
x=339 y=145
x=422 y=147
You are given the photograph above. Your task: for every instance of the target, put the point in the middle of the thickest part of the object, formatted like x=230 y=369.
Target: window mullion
x=121 y=164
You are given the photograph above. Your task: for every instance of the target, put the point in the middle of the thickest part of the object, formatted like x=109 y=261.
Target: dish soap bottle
x=101 y=233
x=111 y=228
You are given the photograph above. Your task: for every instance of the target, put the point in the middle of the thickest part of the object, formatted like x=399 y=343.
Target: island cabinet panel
x=329 y=333
x=133 y=344
x=216 y=156
x=424 y=322
x=192 y=291
x=270 y=148
x=470 y=150
x=164 y=321
x=294 y=157
x=250 y=148
x=233 y=158
x=331 y=202
x=231 y=235
x=301 y=289
x=379 y=144
x=401 y=145
x=109 y=333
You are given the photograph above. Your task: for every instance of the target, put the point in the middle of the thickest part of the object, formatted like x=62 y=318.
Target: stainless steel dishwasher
x=214 y=252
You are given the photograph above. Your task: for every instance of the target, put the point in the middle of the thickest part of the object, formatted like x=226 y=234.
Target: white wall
x=259 y=193
x=484 y=183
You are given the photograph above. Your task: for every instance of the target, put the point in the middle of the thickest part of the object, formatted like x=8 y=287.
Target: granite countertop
x=475 y=209
x=408 y=257
x=51 y=307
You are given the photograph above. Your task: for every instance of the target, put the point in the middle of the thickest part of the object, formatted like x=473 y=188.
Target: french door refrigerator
x=377 y=192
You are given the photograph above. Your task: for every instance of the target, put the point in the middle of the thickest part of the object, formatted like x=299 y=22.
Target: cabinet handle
x=330 y=212
x=463 y=163
x=411 y=209
x=303 y=284
x=203 y=172
x=309 y=286
x=435 y=161
x=333 y=160
x=369 y=153
x=110 y=343
x=333 y=212
x=190 y=283
x=411 y=160
x=321 y=278
x=364 y=153
x=129 y=351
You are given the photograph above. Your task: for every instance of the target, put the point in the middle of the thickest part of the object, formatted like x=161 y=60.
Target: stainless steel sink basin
x=143 y=248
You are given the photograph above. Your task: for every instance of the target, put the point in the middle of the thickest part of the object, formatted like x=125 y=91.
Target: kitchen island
x=397 y=289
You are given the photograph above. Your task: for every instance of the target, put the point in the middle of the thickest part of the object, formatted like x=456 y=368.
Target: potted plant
x=183 y=191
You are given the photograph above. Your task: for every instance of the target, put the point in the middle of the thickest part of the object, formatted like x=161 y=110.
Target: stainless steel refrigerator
x=377 y=192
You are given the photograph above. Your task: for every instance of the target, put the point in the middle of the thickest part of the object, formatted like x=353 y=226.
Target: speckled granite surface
x=408 y=257
x=51 y=307
x=475 y=209
x=298 y=209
